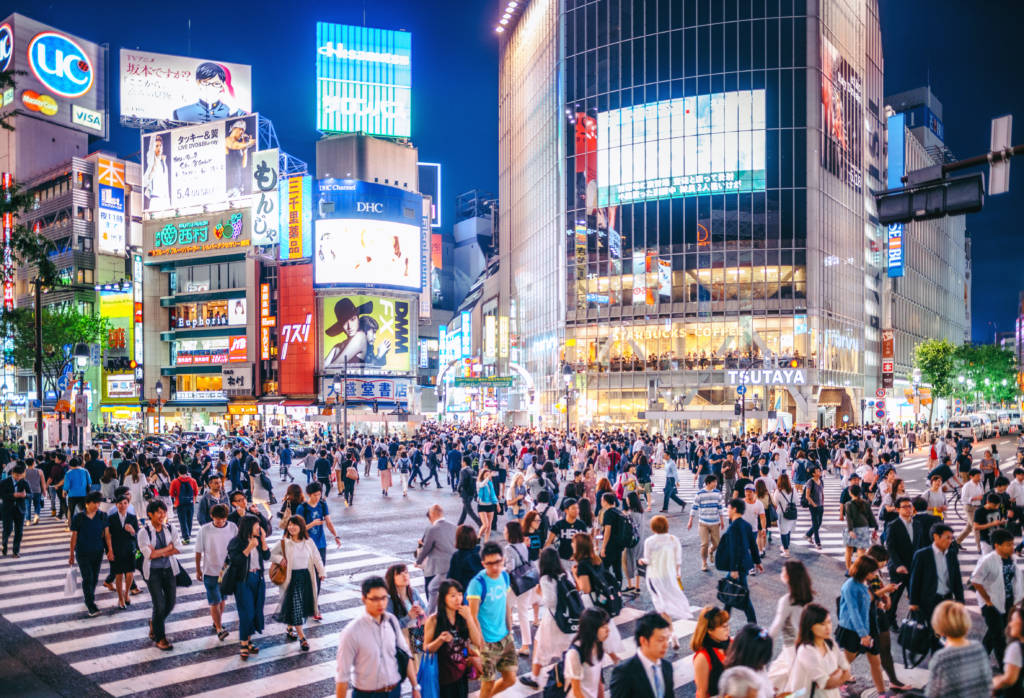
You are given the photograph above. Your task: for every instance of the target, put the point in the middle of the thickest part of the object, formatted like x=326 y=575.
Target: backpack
x=185 y=493
x=789 y=512
x=605 y=590
x=569 y=605
x=545 y=525
x=723 y=554
x=557 y=686
x=625 y=533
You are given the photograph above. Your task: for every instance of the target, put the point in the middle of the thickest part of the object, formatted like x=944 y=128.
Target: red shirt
x=176 y=488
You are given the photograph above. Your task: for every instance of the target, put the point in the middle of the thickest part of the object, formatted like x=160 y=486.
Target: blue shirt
x=671 y=471
x=492 y=605
x=311 y=514
x=708 y=505
x=77 y=482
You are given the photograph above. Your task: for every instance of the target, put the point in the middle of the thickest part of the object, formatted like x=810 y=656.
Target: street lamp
x=341 y=390
x=915 y=377
x=81 y=354
x=567 y=374
x=3 y=396
x=159 y=406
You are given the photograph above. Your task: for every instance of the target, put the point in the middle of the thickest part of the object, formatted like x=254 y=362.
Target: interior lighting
x=499 y=29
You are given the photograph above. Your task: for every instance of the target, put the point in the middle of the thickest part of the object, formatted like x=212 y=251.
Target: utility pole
x=39 y=364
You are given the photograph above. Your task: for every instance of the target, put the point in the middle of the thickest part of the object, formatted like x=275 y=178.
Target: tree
x=63 y=327
x=935 y=358
x=989 y=373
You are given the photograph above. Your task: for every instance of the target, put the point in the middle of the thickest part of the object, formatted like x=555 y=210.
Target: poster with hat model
x=370 y=334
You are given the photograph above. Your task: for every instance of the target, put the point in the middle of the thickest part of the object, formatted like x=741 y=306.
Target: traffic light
x=736 y=409
x=932 y=199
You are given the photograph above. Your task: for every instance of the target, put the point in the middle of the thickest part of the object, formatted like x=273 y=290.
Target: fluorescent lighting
x=503 y=20
x=499 y=29
x=513 y=3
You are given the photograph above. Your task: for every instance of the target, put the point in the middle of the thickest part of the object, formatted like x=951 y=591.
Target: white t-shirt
x=589 y=675
x=212 y=542
x=1012 y=656
x=753 y=513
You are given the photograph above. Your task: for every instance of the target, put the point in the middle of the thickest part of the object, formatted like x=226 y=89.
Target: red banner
x=296 y=333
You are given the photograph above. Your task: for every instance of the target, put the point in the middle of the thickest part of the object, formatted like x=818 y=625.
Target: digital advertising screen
x=363 y=80
x=367 y=234
x=430 y=185
x=842 y=118
x=198 y=165
x=370 y=334
x=59 y=77
x=690 y=146
x=296 y=332
x=166 y=90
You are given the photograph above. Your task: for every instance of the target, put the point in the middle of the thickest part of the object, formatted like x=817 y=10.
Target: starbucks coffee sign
x=768 y=376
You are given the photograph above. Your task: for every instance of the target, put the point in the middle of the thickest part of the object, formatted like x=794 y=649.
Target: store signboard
x=297 y=332
x=295 y=229
x=210 y=350
x=190 y=236
x=200 y=395
x=120 y=386
x=217 y=313
x=110 y=214
x=888 y=358
x=368 y=390
x=371 y=334
x=236 y=378
x=757 y=376
x=266 y=201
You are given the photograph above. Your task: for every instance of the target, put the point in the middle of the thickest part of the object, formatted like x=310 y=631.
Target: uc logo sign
x=6 y=46
x=60 y=64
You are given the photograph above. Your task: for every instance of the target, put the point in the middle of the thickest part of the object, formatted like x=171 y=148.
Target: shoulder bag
x=525 y=576
x=279 y=570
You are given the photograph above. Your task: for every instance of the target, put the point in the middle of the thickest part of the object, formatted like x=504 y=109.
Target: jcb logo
x=6 y=46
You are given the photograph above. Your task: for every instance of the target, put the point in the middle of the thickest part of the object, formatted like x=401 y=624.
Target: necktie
x=659 y=682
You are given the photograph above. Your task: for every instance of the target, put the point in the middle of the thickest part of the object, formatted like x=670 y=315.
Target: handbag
x=427 y=676
x=183 y=578
x=401 y=656
x=731 y=593
x=524 y=577
x=279 y=570
x=915 y=637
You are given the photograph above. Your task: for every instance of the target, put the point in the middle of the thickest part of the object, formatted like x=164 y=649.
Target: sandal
x=303 y=645
x=253 y=649
x=290 y=634
x=245 y=653
x=164 y=645
x=222 y=634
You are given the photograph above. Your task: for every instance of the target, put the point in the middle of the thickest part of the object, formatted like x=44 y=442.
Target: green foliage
x=989 y=372
x=63 y=327
x=935 y=359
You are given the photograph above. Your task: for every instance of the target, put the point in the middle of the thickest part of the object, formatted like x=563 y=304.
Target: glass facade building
x=713 y=162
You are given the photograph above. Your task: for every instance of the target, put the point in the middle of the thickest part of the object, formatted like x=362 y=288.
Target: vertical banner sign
x=110 y=218
x=295 y=230
x=442 y=347
x=503 y=336
x=8 y=261
x=490 y=337
x=265 y=202
x=888 y=358
x=467 y=335
x=425 y=241
x=896 y=169
x=137 y=319
x=297 y=330
x=266 y=321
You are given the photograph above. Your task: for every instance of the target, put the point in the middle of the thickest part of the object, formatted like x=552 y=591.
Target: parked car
x=962 y=427
x=983 y=427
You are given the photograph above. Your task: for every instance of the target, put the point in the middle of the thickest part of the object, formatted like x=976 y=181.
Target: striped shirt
x=708 y=505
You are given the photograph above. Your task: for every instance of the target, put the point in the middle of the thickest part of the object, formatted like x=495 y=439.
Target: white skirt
x=550 y=642
x=668 y=598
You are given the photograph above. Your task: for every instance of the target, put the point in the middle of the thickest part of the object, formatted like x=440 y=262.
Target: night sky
x=968 y=51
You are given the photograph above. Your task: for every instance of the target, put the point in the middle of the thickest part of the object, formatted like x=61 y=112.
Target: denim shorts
x=212 y=585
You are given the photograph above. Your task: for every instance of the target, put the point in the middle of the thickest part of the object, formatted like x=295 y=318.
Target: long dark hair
x=591 y=620
x=460 y=625
x=812 y=615
x=752 y=647
x=245 y=526
x=549 y=563
x=801 y=592
x=633 y=503
x=397 y=605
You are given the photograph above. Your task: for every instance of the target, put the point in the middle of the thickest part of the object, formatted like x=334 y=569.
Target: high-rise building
x=686 y=207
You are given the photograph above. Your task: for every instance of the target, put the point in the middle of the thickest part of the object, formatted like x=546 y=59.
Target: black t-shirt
x=8 y=487
x=564 y=531
x=984 y=515
x=963 y=463
x=90 y=532
x=322 y=468
x=942 y=471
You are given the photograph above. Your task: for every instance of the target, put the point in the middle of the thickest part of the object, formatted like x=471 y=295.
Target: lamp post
x=159 y=406
x=916 y=379
x=81 y=354
x=341 y=390
x=567 y=374
x=3 y=396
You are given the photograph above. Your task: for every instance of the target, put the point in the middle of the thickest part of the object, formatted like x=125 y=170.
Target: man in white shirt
x=211 y=552
x=972 y=495
x=989 y=580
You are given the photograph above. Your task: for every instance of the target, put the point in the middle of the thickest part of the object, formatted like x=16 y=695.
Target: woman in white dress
x=549 y=643
x=819 y=669
x=663 y=555
x=585 y=655
x=787 y=618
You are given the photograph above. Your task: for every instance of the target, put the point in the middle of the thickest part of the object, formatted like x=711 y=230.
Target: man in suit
x=737 y=553
x=935 y=573
x=647 y=674
x=899 y=542
x=454 y=460
x=923 y=522
x=436 y=547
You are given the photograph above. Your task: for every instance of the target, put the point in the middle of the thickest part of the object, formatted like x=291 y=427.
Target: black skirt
x=298 y=599
x=123 y=563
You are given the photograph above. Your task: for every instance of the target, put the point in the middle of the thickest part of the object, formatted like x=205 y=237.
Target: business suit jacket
x=923 y=523
x=438 y=548
x=923 y=579
x=122 y=542
x=629 y=679
x=742 y=544
x=900 y=545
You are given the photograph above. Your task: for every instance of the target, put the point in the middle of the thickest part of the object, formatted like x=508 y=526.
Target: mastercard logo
x=45 y=104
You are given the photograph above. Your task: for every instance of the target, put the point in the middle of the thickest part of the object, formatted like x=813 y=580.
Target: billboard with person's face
x=369 y=334
x=842 y=116
x=168 y=90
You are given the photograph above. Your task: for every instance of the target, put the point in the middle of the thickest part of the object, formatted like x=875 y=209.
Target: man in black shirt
x=564 y=529
x=95 y=466
x=322 y=469
x=14 y=492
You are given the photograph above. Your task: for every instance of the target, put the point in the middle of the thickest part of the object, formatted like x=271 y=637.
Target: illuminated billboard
x=210 y=350
x=896 y=167
x=188 y=236
x=214 y=313
x=370 y=334
x=690 y=146
x=110 y=216
x=295 y=229
x=842 y=117
x=363 y=80
x=296 y=334
x=169 y=90
x=368 y=235
x=198 y=165
x=430 y=185
x=60 y=77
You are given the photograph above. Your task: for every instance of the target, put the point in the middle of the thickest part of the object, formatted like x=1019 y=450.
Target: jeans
x=163 y=591
x=453 y=479
x=250 y=597
x=467 y=509
x=34 y=503
x=747 y=607
x=89 y=565
x=670 y=493
x=326 y=485
x=185 y=510
x=817 y=514
x=14 y=522
x=431 y=474
x=785 y=540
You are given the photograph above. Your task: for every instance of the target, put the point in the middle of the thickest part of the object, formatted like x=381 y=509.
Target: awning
x=831 y=397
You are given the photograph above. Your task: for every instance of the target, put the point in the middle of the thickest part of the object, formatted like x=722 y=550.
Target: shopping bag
x=72 y=585
x=427 y=676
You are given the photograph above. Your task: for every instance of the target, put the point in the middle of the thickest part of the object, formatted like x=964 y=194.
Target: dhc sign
x=894 y=248
x=60 y=64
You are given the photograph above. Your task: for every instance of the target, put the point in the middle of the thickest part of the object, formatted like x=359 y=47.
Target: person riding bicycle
x=944 y=471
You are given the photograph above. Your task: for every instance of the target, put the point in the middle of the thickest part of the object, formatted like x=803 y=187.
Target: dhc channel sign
x=60 y=64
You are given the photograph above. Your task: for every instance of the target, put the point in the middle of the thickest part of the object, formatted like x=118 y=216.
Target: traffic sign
x=999 y=170
x=880 y=392
x=62 y=383
x=741 y=389
x=880 y=414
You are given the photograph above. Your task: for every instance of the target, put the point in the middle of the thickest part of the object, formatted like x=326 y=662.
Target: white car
x=984 y=428
x=962 y=427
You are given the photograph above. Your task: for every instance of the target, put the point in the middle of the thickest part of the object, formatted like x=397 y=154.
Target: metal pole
x=344 y=397
x=159 y=415
x=39 y=365
x=78 y=417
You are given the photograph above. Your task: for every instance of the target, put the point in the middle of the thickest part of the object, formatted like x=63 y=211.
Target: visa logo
x=86 y=117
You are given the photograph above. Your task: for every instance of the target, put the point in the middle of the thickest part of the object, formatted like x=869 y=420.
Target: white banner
x=265 y=200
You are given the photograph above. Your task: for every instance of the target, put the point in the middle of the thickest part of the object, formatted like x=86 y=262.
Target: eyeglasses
x=376 y=599
x=492 y=563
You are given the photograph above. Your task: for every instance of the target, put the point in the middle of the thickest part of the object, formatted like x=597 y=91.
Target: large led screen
x=690 y=146
x=842 y=118
x=367 y=252
x=369 y=334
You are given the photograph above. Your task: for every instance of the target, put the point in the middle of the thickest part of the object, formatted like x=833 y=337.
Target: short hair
x=659 y=524
x=713 y=479
x=19 y=469
x=993 y=498
x=1002 y=481
x=490 y=549
x=940 y=529
x=950 y=619
x=1000 y=536
x=855 y=490
x=371 y=583
x=313 y=487
x=901 y=500
x=862 y=567
x=154 y=506
x=93 y=497
x=214 y=476
x=738 y=681
x=236 y=494
x=182 y=470
x=647 y=624
x=219 y=511
x=514 y=532
x=465 y=538
x=739 y=505
x=919 y=503
x=609 y=499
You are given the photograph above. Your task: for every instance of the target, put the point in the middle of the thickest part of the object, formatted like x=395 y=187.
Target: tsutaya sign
x=770 y=376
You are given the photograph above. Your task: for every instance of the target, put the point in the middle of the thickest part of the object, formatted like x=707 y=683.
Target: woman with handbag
x=294 y=564
x=523 y=576
x=785 y=506
x=123 y=528
x=449 y=633
x=246 y=554
x=406 y=605
x=819 y=669
x=662 y=555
